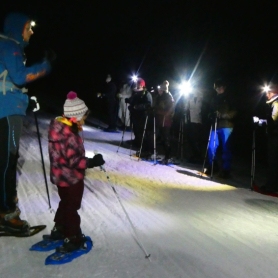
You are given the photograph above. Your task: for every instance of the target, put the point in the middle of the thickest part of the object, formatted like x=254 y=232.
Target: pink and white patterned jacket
x=66 y=154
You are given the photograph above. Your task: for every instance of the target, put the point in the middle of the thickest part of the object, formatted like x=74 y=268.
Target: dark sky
x=237 y=40
x=160 y=41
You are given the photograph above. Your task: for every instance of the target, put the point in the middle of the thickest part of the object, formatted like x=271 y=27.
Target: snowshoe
x=72 y=244
x=46 y=244
x=62 y=256
x=12 y=225
x=10 y=222
x=33 y=230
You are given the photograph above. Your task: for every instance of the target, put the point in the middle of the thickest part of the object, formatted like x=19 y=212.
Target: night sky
x=158 y=41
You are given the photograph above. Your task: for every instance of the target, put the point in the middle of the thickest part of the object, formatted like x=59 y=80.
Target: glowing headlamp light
x=33 y=23
x=185 y=88
x=134 y=78
x=266 y=88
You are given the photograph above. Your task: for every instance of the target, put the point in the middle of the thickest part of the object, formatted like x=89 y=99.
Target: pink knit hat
x=74 y=107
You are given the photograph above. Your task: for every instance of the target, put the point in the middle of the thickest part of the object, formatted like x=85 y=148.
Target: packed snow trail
x=192 y=227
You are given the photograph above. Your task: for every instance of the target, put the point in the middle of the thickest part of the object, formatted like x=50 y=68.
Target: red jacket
x=66 y=154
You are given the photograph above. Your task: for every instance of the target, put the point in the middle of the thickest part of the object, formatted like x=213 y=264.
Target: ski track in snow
x=191 y=226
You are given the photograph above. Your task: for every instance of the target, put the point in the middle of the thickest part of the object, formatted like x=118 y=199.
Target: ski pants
x=66 y=215
x=112 y=113
x=164 y=132
x=221 y=136
x=10 y=132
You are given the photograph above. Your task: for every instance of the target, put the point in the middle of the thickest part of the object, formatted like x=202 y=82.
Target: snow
x=191 y=226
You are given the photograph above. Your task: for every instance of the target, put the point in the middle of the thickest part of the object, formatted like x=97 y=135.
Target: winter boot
x=11 y=222
x=72 y=244
x=56 y=234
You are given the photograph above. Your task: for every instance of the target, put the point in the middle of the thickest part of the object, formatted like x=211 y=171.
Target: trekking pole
x=39 y=139
x=123 y=133
x=213 y=156
x=205 y=158
x=253 y=160
x=131 y=139
x=179 y=140
x=154 y=140
x=143 y=137
x=182 y=139
x=147 y=255
x=214 y=151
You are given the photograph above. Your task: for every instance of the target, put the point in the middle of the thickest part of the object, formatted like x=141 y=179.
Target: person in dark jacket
x=14 y=75
x=223 y=113
x=164 y=106
x=272 y=139
x=67 y=170
x=139 y=104
x=110 y=93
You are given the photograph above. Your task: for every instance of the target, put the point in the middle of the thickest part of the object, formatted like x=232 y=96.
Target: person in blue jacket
x=14 y=75
x=223 y=112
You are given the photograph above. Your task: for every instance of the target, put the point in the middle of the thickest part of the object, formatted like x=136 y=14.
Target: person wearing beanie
x=14 y=75
x=271 y=184
x=139 y=104
x=67 y=169
x=109 y=93
x=140 y=85
x=164 y=106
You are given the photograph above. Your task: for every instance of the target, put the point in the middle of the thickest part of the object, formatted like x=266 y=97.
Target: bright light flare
x=33 y=23
x=185 y=88
x=266 y=88
x=158 y=87
x=134 y=78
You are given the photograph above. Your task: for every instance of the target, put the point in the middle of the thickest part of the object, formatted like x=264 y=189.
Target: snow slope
x=192 y=227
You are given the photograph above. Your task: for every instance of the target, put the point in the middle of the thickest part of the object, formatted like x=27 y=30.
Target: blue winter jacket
x=14 y=75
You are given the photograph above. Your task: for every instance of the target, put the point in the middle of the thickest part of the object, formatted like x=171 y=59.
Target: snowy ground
x=192 y=227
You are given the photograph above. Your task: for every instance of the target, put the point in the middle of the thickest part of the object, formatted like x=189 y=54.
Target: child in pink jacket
x=67 y=170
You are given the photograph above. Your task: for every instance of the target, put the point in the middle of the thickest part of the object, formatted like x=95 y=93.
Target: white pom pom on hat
x=74 y=106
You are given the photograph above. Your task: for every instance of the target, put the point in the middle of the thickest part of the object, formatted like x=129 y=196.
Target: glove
x=97 y=160
x=33 y=104
x=127 y=100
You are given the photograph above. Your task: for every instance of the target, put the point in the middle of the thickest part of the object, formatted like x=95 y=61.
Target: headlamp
x=185 y=88
x=266 y=88
x=134 y=78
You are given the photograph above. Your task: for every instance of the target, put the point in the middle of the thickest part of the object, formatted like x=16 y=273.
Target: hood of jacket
x=14 y=26
x=272 y=100
x=59 y=129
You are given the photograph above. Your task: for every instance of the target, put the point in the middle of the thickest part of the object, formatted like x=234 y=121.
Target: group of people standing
x=151 y=117
x=148 y=113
